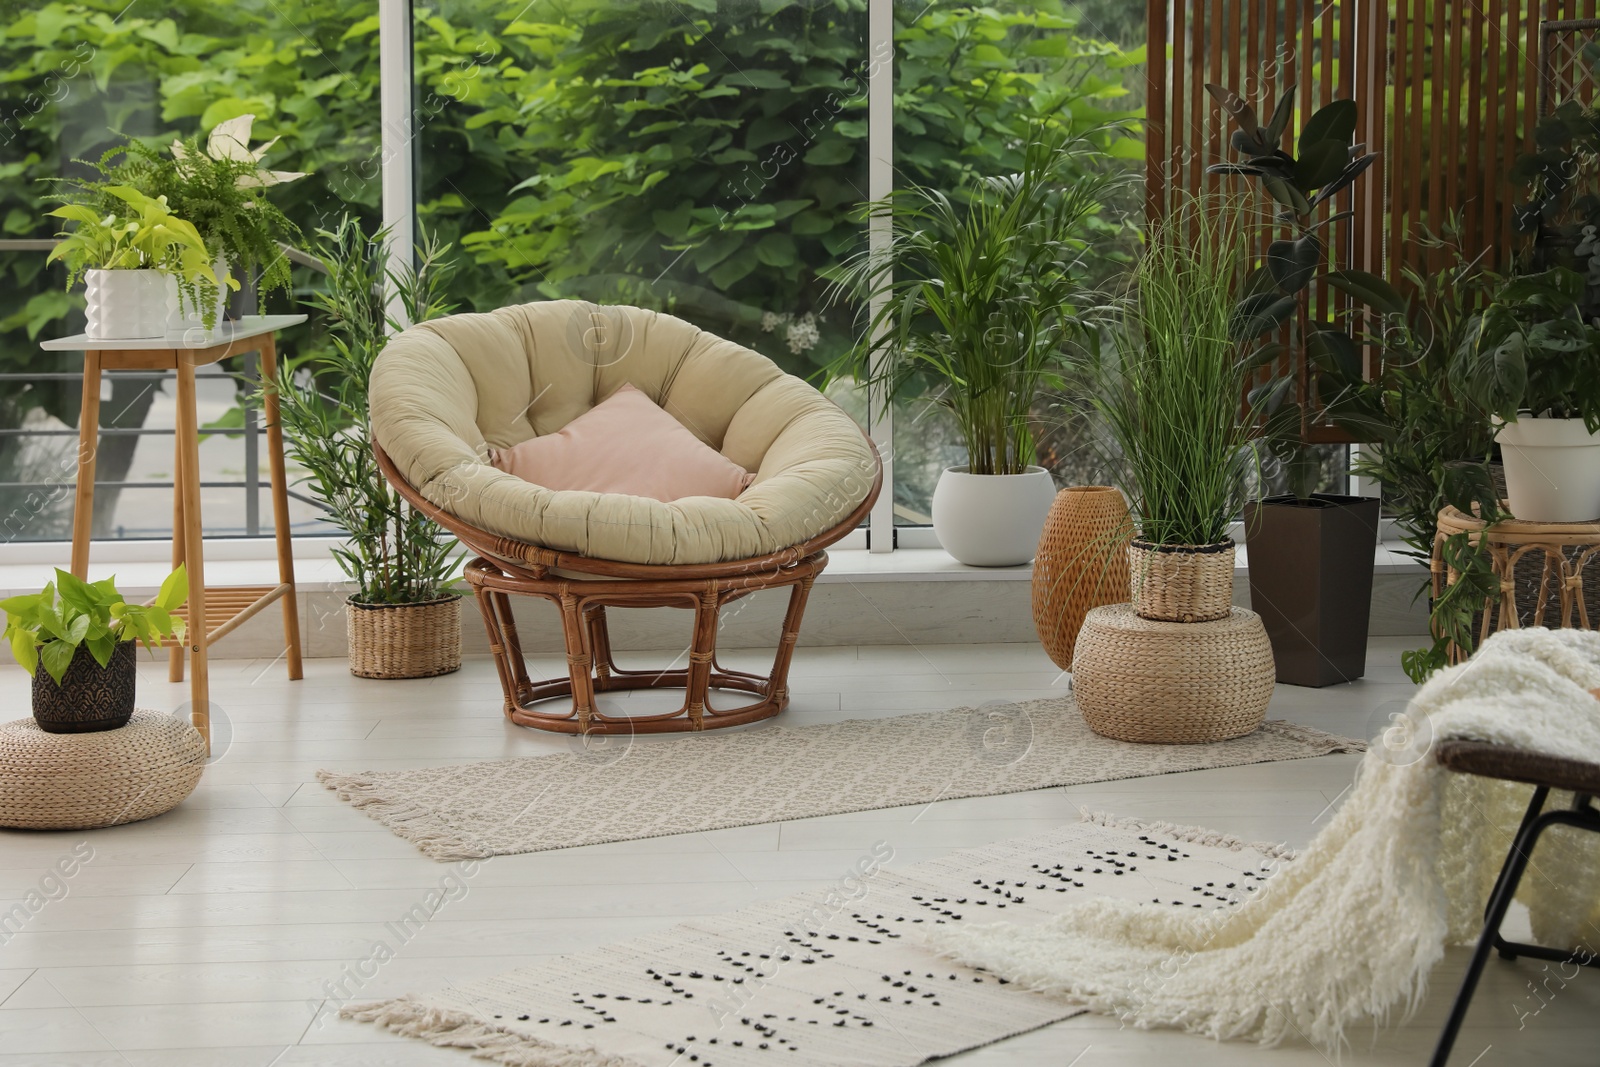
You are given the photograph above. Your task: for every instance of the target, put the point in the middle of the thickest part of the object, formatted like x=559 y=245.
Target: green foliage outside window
x=697 y=156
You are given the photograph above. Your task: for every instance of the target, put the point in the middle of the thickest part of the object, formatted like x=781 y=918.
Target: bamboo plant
x=394 y=554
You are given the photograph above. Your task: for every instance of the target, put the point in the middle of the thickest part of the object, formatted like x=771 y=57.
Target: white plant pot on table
x=1552 y=469
x=992 y=520
x=125 y=305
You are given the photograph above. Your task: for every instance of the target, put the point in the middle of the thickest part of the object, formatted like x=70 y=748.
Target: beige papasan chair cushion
x=444 y=392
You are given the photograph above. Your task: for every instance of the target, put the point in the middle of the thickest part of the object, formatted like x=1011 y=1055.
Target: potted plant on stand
x=219 y=187
x=78 y=641
x=1532 y=362
x=977 y=299
x=403 y=621
x=126 y=250
x=1180 y=663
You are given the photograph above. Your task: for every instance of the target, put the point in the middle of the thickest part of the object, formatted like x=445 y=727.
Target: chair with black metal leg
x=1545 y=773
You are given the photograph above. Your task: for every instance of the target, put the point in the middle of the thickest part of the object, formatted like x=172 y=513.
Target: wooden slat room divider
x=1448 y=92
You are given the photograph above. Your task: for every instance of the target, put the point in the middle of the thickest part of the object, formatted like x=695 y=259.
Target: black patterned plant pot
x=90 y=697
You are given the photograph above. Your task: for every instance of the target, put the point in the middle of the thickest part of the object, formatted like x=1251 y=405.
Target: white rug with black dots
x=833 y=977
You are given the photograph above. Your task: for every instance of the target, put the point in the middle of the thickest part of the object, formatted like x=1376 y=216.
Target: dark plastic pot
x=1311 y=582
x=90 y=697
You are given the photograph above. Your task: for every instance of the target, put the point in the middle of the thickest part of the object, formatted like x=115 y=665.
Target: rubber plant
x=1303 y=186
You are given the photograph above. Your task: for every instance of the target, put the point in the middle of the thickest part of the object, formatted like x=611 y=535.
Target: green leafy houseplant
x=140 y=232
x=982 y=294
x=1431 y=446
x=49 y=627
x=1531 y=352
x=217 y=185
x=1277 y=292
x=394 y=554
x=1171 y=383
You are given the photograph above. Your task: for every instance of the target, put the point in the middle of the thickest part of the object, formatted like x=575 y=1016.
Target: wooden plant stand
x=211 y=613
x=582 y=588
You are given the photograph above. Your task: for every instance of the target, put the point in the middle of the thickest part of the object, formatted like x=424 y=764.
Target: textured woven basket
x=404 y=640
x=84 y=781
x=1181 y=583
x=1082 y=564
x=1172 y=683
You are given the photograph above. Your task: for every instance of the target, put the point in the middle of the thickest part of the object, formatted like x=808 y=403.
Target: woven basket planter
x=1181 y=583
x=1082 y=564
x=404 y=640
x=87 y=780
x=1172 y=683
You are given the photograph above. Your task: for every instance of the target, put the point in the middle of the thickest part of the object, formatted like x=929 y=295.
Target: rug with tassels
x=829 y=977
x=658 y=786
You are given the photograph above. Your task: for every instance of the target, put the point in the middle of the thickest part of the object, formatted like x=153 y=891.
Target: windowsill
x=139 y=567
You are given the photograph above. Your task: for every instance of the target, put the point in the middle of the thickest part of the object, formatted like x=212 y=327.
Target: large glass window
x=80 y=75
x=699 y=158
x=968 y=82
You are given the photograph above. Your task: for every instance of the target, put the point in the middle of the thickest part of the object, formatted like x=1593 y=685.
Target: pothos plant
x=1303 y=185
x=49 y=627
x=128 y=230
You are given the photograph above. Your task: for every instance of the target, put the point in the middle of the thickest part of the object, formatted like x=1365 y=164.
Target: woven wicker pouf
x=85 y=781
x=1172 y=683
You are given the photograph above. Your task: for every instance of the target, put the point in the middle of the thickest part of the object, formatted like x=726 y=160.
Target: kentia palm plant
x=1169 y=384
x=978 y=298
x=400 y=560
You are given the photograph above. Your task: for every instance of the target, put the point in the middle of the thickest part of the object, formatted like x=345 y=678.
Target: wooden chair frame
x=506 y=567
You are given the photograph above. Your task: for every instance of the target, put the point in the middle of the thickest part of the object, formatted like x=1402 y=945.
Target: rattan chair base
x=1172 y=683
x=506 y=567
x=592 y=669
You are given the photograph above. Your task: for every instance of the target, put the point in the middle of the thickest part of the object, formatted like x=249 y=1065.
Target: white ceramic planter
x=126 y=305
x=1552 y=469
x=992 y=520
x=181 y=315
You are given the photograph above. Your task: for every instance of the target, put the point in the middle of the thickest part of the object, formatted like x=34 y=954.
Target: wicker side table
x=86 y=781
x=1541 y=568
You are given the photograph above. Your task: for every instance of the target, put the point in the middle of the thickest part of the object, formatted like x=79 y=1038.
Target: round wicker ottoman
x=1172 y=683
x=85 y=781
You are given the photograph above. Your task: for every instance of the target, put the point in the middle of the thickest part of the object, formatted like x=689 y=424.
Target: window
x=93 y=69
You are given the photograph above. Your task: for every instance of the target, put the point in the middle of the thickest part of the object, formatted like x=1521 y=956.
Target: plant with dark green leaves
x=50 y=626
x=395 y=554
x=1169 y=386
x=980 y=295
x=1560 y=177
x=1531 y=352
x=1278 y=290
x=1432 y=445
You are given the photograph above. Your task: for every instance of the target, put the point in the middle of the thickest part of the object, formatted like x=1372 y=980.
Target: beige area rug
x=773 y=774
x=829 y=977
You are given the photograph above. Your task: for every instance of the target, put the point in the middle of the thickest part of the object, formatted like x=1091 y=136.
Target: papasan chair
x=445 y=392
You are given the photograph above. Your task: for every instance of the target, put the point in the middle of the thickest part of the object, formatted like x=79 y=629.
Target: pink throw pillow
x=626 y=444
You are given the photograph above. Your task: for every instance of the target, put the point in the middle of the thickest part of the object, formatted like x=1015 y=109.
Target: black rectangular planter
x=1310 y=567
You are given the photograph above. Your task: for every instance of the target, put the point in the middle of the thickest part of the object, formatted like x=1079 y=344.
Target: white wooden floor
x=211 y=936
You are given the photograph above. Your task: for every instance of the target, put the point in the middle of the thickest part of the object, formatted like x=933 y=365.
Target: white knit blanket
x=1350 y=930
